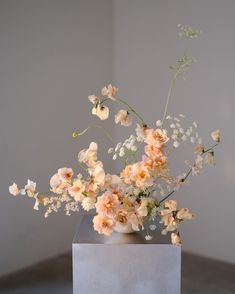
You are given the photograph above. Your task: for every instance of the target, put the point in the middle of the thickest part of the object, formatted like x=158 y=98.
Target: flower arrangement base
x=124 y=263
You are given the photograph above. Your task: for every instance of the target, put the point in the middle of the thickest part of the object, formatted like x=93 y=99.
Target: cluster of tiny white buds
x=148 y=237
x=152 y=227
x=180 y=134
x=122 y=148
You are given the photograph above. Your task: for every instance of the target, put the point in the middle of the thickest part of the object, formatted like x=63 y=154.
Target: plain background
x=54 y=53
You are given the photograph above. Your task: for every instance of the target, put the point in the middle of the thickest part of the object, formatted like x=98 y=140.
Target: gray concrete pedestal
x=124 y=263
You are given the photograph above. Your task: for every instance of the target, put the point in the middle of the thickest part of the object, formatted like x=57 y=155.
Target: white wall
x=53 y=54
x=146 y=43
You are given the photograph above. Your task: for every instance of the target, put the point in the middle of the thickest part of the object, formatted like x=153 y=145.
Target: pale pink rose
x=127 y=174
x=110 y=92
x=153 y=151
x=101 y=111
x=14 y=190
x=156 y=137
x=112 y=181
x=94 y=99
x=216 y=135
x=65 y=174
x=141 y=132
x=107 y=204
x=184 y=213
x=89 y=156
x=77 y=189
x=103 y=225
x=123 y=117
x=175 y=239
x=143 y=178
x=30 y=188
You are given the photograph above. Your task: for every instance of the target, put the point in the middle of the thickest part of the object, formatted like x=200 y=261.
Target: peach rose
x=107 y=204
x=156 y=137
x=103 y=225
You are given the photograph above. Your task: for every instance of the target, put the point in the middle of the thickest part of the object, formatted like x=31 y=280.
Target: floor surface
x=199 y=276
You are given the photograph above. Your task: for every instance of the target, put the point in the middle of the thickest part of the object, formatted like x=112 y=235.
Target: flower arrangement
x=142 y=189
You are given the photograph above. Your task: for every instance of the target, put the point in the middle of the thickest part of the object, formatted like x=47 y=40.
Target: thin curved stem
x=76 y=134
x=126 y=104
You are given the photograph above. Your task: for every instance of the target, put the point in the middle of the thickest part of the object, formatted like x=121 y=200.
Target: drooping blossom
x=216 y=135
x=14 y=190
x=77 y=188
x=89 y=156
x=57 y=185
x=199 y=149
x=101 y=111
x=184 y=214
x=30 y=188
x=94 y=99
x=65 y=174
x=107 y=204
x=141 y=132
x=175 y=239
x=103 y=224
x=123 y=117
x=97 y=172
x=110 y=92
x=210 y=159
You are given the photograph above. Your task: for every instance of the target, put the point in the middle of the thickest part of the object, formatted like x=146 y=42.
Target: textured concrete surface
x=199 y=276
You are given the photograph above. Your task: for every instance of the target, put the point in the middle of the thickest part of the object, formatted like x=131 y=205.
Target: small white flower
x=133 y=148
x=195 y=124
x=152 y=227
x=174 y=137
x=175 y=131
x=118 y=146
x=178 y=125
x=164 y=232
x=188 y=132
x=168 y=117
x=176 y=144
x=182 y=115
x=158 y=123
x=184 y=138
x=181 y=130
x=199 y=140
x=110 y=150
x=192 y=140
x=172 y=126
x=148 y=237
x=115 y=156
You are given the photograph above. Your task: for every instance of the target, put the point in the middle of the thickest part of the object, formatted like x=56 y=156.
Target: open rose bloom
x=141 y=193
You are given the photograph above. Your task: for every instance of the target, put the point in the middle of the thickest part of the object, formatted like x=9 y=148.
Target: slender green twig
x=188 y=173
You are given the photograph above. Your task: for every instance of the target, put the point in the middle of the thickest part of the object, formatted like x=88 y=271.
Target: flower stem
x=169 y=93
x=77 y=133
x=188 y=174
